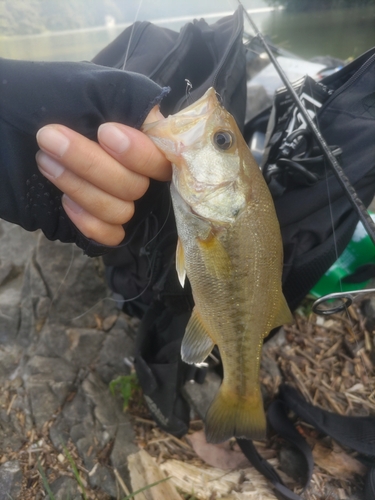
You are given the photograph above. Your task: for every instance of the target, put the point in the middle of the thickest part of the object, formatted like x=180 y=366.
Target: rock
x=114 y=421
x=10 y=356
x=75 y=421
x=65 y=488
x=10 y=438
x=10 y=299
x=95 y=423
x=33 y=293
x=7 y=271
x=104 y=478
x=200 y=396
x=10 y=480
x=109 y=321
x=61 y=343
x=16 y=244
x=71 y=274
x=124 y=445
x=117 y=345
x=48 y=382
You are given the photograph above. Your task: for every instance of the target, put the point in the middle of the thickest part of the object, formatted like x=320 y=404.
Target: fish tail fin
x=231 y=415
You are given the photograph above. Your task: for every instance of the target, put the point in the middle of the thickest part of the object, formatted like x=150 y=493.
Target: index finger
x=133 y=149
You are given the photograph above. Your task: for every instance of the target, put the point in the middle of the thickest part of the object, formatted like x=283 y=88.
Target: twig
x=121 y=482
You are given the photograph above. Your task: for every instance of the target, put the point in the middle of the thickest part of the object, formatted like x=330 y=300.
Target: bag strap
x=265 y=468
x=357 y=433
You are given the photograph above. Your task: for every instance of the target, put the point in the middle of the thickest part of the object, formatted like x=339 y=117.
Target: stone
x=85 y=346
x=124 y=445
x=10 y=437
x=10 y=356
x=10 y=480
x=10 y=300
x=65 y=488
x=200 y=396
x=7 y=271
x=70 y=273
x=109 y=321
x=48 y=381
x=104 y=478
x=16 y=244
x=33 y=291
x=117 y=346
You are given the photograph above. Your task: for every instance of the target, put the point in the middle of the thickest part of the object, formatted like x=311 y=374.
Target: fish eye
x=223 y=140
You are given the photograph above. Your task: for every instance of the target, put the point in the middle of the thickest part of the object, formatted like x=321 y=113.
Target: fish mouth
x=179 y=131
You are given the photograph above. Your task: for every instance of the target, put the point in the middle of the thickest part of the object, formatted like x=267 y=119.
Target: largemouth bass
x=230 y=248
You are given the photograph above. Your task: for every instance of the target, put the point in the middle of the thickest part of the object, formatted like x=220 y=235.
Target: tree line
x=304 y=5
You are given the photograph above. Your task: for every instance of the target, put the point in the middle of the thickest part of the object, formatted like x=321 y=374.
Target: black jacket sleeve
x=79 y=95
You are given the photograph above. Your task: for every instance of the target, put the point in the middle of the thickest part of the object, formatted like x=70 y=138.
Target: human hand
x=101 y=181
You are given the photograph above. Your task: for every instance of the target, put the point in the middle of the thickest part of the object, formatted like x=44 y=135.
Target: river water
x=342 y=33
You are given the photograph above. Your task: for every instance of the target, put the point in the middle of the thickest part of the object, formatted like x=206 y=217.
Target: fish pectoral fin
x=215 y=256
x=231 y=415
x=180 y=263
x=197 y=343
x=284 y=316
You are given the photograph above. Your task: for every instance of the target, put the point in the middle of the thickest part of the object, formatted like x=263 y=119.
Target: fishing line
x=330 y=206
x=349 y=190
x=131 y=34
x=123 y=301
x=189 y=87
x=55 y=295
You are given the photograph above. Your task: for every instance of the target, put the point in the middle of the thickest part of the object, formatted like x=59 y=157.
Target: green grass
x=79 y=480
x=75 y=471
x=45 y=482
x=132 y=495
x=125 y=385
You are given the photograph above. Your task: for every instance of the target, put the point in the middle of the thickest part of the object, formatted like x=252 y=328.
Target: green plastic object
x=359 y=252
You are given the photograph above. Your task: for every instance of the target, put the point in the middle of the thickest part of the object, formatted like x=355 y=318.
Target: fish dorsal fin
x=283 y=316
x=180 y=263
x=197 y=343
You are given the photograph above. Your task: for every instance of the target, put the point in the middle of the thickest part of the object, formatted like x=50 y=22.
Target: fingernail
x=113 y=138
x=52 y=141
x=71 y=204
x=49 y=166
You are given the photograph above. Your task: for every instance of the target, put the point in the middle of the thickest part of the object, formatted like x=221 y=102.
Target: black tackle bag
x=315 y=216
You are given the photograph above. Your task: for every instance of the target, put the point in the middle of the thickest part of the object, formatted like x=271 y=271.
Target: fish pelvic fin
x=283 y=316
x=180 y=263
x=231 y=415
x=197 y=343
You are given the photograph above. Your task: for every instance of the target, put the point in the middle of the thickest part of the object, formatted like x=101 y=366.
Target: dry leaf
x=217 y=455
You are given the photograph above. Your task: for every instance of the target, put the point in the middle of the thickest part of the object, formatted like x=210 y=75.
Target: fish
x=230 y=249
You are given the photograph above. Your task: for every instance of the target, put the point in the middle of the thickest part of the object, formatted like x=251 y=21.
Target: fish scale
x=230 y=248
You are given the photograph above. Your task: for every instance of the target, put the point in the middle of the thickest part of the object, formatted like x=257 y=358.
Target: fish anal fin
x=196 y=344
x=231 y=415
x=180 y=263
x=215 y=256
x=283 y=316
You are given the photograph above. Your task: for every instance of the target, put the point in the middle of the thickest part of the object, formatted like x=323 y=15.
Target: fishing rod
x=349 y=190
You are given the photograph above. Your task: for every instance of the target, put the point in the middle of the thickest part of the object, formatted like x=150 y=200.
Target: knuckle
x=125 y=214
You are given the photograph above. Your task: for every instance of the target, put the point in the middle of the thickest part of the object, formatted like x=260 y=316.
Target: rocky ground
x=65 y=436
x=62 y=340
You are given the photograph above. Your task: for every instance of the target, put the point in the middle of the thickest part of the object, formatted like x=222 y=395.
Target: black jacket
x=79 y=95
